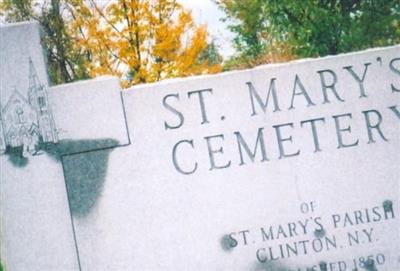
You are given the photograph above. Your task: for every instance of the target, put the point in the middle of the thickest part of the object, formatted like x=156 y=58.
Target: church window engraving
x=20 y=115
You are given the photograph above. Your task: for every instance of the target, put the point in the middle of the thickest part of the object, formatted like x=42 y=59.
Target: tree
x=312 y=27
x=139 y=40
x=142 y=41
x=16 y=10
x=250 y=24
x=65 y=63
x=210 y=55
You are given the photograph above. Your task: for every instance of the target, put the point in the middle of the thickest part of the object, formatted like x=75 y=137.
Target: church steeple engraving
x=39 y=100
x=27 y=123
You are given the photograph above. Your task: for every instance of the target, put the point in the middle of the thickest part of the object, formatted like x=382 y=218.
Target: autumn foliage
x=141 y=41
x=138 y=40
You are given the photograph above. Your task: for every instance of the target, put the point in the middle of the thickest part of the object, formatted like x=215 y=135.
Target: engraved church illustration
x=27 y=122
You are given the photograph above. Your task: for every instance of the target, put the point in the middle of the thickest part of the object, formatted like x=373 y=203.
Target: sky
x=207 y=12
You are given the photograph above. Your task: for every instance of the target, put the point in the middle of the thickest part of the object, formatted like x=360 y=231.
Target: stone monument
x=289 y=167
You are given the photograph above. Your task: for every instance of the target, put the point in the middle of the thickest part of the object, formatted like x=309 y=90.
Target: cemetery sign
x=288 y=166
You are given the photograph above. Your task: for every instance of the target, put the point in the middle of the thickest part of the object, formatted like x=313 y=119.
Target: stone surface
x=211 y=181
x=90 y=112
x=36 y=229
x=38 y=126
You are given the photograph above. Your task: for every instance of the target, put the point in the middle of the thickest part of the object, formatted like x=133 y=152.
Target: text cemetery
x=267 y=101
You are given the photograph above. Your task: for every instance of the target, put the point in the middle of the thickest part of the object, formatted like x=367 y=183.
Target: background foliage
x=138 y=40
x=276 y=30
x=149 y=40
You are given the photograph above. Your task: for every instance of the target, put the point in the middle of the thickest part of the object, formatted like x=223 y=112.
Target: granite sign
x=283 y=167
x=39 y=125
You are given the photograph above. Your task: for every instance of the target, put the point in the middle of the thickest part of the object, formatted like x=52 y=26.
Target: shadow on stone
x=319 y=233
x=70 y=147
x=85 y=175
x=15 y=157
x=388 y=206
x=369 y=265
x=228 y=243
x=63 y=147
x=270 y=266
x=276 y=265
x=85 y=165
